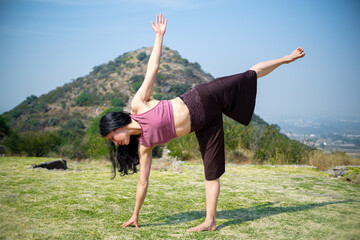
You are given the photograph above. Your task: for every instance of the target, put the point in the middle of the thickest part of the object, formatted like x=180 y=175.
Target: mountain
x=65 y=120
x=108 y=85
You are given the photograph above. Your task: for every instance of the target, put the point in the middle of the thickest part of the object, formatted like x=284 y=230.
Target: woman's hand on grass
x=133 y=221
x=160 y=26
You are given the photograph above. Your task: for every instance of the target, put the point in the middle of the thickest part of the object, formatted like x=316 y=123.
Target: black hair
x=124 y=158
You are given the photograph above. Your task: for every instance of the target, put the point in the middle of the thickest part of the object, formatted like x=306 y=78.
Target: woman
x=132 y=136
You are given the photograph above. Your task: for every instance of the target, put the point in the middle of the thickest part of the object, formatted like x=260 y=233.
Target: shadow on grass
x=238 y=216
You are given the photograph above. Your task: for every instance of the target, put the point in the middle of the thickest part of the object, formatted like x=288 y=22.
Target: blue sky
x=46 y=43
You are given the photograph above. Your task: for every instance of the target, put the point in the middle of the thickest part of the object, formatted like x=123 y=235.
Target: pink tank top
x=157 y=124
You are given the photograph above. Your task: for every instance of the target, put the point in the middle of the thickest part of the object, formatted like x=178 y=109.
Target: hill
x=108 y=85
x=64 y=122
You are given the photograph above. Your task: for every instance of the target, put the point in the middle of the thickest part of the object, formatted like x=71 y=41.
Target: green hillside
x=108 y=85
x=64 y=122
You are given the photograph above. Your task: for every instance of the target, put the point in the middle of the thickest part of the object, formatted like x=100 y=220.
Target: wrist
x=285 y=59
x=136 y=214
x=161 y=35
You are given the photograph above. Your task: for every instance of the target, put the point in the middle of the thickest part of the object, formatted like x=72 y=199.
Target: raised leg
x=212 y=189
x=264 y=68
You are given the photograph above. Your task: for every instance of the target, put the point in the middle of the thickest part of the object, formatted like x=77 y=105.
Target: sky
x=46 y=43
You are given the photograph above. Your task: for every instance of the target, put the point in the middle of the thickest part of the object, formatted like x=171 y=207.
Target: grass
x=255 y=202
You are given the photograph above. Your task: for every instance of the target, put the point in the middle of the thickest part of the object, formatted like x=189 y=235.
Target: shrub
x=141 y=56
x=157 y=151
x=136 y=85
x=78 y=149
x=12 y=142
x=97 y=69
x=71 y=130
x=111 y=67
x=74 y=124
x=161 y=78
x=180 y=88
x=30 y=99
x=117 y=102
x=166 y=67
x=196 y=66
x=185 y=147
x=4 y=128
x=181 y=61
x=63 y=105
x=97 y=145
x=137 y=78
x=53 y=121
x=39 y=144
x=87 y=98
x=130 y=65
x=163 y=96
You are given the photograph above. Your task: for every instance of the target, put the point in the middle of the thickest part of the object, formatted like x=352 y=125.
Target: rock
x=337 y=171
x=176 y=166
x=350 y=177
x=56 y=164
x=357 y=180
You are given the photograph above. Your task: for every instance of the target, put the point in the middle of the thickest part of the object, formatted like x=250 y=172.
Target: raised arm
x=145 y=155
x=144 y=93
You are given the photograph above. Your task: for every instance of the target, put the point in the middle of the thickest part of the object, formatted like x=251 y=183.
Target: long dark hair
x=124 y=158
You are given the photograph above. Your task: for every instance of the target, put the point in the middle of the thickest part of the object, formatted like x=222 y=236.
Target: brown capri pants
x=234 y=96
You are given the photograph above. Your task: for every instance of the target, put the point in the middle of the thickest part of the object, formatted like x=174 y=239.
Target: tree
x=141 y=56
x=4 y=128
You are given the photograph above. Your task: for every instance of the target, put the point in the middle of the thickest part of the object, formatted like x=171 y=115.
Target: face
x=119 y=136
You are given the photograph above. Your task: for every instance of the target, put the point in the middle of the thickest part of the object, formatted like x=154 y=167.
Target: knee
x=254 y=68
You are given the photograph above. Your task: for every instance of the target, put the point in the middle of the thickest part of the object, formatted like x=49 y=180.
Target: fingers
x=136 y=225
x=302 y=52
x=160 y=19
x=129 y=223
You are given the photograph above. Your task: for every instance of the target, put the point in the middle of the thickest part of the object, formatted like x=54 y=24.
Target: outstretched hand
x=133 y=221
x=160 y=25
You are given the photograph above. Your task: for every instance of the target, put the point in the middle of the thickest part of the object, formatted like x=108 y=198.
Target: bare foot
x=298 y=53
x=203 y=227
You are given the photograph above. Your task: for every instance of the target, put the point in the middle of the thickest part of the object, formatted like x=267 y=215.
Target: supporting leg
x=212 y=189
x=264 y=68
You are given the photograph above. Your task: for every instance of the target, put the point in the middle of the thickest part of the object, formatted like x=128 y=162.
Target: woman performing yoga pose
x=151 y=122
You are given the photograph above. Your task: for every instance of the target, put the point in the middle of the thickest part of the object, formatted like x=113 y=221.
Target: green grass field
x=255 y=203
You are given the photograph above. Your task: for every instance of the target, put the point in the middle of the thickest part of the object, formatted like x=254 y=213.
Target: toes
x=201 y=228
x=194 y=229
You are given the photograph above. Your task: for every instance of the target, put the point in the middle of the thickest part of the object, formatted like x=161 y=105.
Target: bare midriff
x=182 y=120
x=181 y=117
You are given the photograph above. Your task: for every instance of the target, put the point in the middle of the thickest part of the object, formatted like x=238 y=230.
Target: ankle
x=210 y=221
